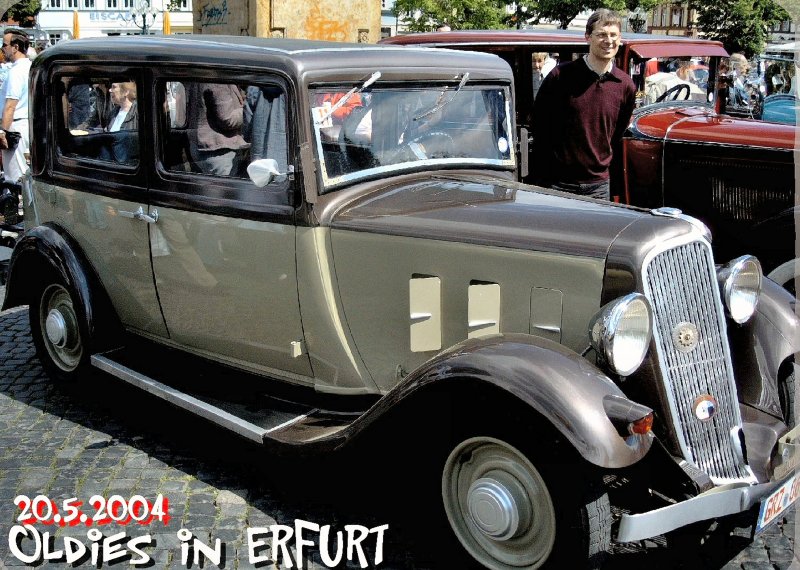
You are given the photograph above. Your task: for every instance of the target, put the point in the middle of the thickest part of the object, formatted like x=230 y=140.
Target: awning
x=646 y=50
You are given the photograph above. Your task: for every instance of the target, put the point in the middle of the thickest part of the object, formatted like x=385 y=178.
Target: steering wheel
x=673 y=93
x=436 y=144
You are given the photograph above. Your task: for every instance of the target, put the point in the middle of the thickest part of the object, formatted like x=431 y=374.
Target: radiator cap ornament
x=705 y=406
x=685 y=337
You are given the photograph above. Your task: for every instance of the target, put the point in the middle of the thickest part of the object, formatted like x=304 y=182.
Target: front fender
x=44 y=251
x=763 y=346
x=560 y=385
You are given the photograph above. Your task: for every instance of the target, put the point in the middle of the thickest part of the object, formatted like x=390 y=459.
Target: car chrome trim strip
x=180 y=399
x=664 y=151
x=679 y=280
x=292 y=421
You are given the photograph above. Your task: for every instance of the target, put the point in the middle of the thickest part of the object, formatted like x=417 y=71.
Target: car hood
x=492 y=212
x=702 y=125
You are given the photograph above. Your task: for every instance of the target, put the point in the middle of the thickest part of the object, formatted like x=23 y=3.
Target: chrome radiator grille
x=680 y=283
x=743 y=203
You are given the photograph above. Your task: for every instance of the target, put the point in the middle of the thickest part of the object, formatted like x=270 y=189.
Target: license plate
x=781 y=499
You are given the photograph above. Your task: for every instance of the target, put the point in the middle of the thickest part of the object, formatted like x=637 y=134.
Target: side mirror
x=263 y=171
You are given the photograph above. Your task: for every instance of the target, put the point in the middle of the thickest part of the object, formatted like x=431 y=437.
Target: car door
x=96 y=188
x=223 y=249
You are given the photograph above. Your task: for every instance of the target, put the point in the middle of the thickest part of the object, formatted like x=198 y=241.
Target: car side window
x=99 y=119
x=218 y=129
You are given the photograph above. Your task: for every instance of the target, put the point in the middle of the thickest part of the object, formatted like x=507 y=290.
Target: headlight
x=740 y=285
x=620 y=332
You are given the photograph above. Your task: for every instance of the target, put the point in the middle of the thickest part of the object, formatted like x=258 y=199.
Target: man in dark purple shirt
x=581 y=113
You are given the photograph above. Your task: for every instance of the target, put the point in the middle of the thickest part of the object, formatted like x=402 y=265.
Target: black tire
x=509 y=513
x=58 y=330
x=787 y=395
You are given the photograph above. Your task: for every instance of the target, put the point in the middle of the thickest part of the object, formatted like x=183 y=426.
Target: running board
x=255 y=415
x=182 y=400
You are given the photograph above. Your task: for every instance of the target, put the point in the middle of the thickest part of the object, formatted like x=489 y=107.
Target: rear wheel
x=57 y=331
x=509 y=514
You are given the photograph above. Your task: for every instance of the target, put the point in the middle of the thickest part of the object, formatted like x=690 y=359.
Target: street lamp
x=519 y=13
x=637 y=20
x=144 y=11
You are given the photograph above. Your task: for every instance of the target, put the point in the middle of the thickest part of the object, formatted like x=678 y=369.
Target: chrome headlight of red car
x=620 y=332
x=740 y=285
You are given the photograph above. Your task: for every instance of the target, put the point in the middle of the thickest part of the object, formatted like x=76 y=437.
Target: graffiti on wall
x=214 y=14
x=319 y=27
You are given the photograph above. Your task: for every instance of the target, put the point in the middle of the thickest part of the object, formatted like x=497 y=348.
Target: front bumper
x=721 y=501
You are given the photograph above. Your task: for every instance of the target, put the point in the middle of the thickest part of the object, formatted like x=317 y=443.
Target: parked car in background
x=779 y=87
x=359 y=259
x=780 y=108
x=682 y=150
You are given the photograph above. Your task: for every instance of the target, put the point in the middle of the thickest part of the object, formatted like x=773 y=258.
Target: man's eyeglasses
x=603 y=36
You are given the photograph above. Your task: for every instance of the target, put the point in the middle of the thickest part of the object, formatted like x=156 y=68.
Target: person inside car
x=123 y=96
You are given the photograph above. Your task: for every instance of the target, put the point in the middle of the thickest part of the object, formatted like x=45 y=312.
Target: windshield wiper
x=441 y=104
x=372 y=79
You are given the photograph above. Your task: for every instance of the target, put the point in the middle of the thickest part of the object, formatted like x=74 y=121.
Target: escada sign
x=109 y=16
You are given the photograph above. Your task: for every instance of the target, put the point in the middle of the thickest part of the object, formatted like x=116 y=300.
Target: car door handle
x=140 y=215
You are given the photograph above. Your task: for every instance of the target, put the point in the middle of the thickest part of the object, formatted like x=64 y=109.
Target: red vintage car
x=681 y=150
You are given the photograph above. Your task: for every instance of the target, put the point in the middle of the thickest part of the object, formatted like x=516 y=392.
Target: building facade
x=62 y=19
x=673 y=20
x=353 y=20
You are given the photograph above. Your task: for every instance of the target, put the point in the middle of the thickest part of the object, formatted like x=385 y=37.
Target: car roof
x=310 y=60
x=643 y=45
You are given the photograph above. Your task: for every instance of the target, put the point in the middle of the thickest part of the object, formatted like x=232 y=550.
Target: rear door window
x=212 y=129
x=98 y=119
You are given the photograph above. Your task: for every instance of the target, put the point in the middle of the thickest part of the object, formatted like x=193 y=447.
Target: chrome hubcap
x=56 y=327
x=60 y=328
x=496 y=504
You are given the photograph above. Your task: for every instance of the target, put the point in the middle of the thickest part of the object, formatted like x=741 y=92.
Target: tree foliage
x=24 y=12
x=741 y=25
x=427 y=15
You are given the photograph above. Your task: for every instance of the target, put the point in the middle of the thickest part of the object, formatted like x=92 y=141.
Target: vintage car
x=311 y=243
x=682 y=149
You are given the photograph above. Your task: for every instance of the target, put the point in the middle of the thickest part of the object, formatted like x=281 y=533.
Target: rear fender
x=558 y=384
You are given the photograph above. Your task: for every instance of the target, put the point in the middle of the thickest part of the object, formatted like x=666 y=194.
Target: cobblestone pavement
x=98 y=436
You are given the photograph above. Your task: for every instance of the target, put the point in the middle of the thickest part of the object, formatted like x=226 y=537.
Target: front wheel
x=787 y=394
x=510 y=515
x=57 y=331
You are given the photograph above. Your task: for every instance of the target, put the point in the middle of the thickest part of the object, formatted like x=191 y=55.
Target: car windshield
x=385 y=129
x=671 y=79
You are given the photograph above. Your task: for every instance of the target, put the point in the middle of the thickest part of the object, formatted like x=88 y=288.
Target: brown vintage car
x=360 y=264
x=682 y=150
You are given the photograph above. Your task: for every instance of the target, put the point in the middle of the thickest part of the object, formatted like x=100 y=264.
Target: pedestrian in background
x=741 y=67
x=542 y=65
x=14 y=95
x=581 y=113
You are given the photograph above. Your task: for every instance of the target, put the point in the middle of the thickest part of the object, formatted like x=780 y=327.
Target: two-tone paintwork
x=315 y=293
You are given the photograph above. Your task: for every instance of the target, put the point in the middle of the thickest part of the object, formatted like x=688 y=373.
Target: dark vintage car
x=682 y=150
x=315 y=245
